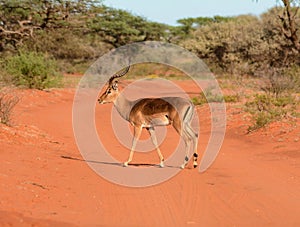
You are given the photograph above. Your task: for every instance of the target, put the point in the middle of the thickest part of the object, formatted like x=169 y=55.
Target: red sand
x=254 y=181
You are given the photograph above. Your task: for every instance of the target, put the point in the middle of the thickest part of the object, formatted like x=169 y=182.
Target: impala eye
x=108 y=91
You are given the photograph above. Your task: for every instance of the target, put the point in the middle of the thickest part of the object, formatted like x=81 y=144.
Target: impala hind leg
x=154 y=141
x=184 y=135
x=136 y=136
x=187 y=142
x=194 y=136
x=189 y=135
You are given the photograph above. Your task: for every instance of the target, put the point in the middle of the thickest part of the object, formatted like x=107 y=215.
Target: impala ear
x=115 y=85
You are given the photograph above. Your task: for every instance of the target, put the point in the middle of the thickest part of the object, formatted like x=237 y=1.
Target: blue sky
x=168 y=11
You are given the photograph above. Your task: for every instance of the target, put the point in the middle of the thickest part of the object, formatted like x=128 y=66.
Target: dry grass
x=8 y=100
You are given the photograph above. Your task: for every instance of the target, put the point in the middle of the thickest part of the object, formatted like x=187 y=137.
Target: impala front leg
x=154 y=141
x=136 y=136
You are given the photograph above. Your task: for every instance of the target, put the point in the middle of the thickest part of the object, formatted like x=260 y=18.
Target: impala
x=151 y=112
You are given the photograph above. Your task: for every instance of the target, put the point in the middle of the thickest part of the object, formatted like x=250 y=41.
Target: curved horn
x=119 y=75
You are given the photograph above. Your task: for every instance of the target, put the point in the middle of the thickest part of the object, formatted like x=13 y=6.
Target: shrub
x=7 y=102
x=267 y=108
x=32 y=70
x=232 y=46
x=281 y=81
x=210 y=97
x=293 y=73
x=278 y=100
x=231 y=98
x=199 y=100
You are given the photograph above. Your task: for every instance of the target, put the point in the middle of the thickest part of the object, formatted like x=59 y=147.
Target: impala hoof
x=125 y=164
x=162 y=165
x=195 y=164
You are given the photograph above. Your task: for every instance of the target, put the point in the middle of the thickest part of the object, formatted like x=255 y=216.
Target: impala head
x=112 y=92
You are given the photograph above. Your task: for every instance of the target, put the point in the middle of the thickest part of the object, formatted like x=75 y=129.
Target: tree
x=19 y=20
x=189 y=25
x=118 y=27
x=290 y=22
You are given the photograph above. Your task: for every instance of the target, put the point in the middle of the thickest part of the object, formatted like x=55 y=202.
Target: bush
x=267 y=108
x=32 y=70
x=210 y=97
x=281 y=81
x=199 y=100
x=7 y=102
x=232 y=46
x=244 y=44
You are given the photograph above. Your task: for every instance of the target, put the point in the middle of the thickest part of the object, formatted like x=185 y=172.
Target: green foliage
x=119 y=27
x=209 y=97
x=75 y=32
x=243 y=44
x=266 y=108
x=201 y=21
x=231 y=46
x=62 y=46
x=277 y=50
x=19 y=20
x=278 y=100
x=78 y=32
x=188 y=25
x=199 y=100
x=32 y=70
x=231 y=98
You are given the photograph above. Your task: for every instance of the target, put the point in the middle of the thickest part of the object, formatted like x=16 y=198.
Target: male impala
x=151 y=112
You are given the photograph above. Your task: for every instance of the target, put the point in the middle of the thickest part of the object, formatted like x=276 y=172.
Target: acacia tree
x=119 y=27
x=19 y=20
x=53 y=26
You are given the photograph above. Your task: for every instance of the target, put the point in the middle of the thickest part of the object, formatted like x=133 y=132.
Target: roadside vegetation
x=31 y=70
x=8 y=100
x=42 y=40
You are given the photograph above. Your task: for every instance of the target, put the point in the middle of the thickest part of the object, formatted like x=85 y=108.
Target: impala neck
x=123 y=106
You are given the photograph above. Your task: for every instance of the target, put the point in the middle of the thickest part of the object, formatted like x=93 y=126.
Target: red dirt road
x=44 y=181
